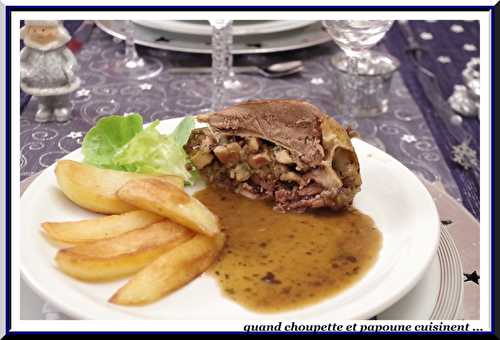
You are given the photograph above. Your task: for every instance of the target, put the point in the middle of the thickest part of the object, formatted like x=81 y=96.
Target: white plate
x=434 y=297
x=392 y=195
x=301 y=37
x=240 y=27
x=439 y=295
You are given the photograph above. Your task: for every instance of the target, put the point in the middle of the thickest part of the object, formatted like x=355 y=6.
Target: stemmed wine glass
x=355 y=38
x=365 y=74
x=130 y=64
x=223 y=77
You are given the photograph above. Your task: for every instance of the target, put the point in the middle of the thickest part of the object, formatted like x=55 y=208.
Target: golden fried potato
x=167 y=200
x=170 y=271
x=95 y=189
x=100 y=228
x=125 y=254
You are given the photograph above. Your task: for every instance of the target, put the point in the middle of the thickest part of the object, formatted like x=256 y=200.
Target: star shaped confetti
x=444 y=59
x=469 y=47
x=472 y=277
x=408 y=138
x=426 y=36
x=317 y=81
x=75 y=134
x=464 y=155
x=82 y=93
x=146 y=86
x=457 y=28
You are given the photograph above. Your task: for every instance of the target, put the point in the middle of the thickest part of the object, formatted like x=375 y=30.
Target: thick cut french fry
x=167 y=200
x=95 y=189
x=170 y=271
x=125 y=254
x=101 y=227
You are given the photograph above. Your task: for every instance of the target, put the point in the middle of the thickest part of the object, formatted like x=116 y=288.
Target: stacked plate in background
x=194 y=36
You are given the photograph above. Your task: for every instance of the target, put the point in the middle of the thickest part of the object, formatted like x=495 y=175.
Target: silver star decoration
x=408 y=138
x=75 y=134
x=457 y=28
x=317 y=81
x=470 y=47
x=82 y=93
x=426 y=36
x=444 y=59
x=146 y=86
x=464 y=155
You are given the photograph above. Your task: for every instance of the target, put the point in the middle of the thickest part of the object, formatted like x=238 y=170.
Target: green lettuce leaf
x=150 y=152
x=119 y=143
x=183 y=130
x=107 y=137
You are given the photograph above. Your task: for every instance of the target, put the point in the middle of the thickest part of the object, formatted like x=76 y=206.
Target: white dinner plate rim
x=184 y=27
x=372 y=310
x=300 y=38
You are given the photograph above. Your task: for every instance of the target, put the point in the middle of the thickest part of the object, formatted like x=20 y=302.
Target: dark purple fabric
x=444 y=43
x=71 y=26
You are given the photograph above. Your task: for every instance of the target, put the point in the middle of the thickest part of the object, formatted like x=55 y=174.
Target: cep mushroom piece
x=288 y=151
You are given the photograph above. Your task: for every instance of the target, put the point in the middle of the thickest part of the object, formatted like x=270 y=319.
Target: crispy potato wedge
x=100 y=228
x=167 y=200
x=95 y=189
x=170 y=271
x=122 y=255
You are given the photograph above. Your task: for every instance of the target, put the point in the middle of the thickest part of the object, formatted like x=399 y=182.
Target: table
x=410 y=131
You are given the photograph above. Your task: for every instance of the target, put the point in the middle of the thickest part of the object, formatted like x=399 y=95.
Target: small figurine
x=48 y=68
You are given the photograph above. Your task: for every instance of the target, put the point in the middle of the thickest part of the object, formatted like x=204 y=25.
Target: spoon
x=272 y=71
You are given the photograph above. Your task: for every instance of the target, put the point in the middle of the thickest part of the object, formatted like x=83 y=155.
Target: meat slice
x=285 y=150
x=293 y=124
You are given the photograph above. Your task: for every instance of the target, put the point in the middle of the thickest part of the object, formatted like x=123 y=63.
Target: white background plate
x=240 y=27
x=392 y=195
x=301 y=37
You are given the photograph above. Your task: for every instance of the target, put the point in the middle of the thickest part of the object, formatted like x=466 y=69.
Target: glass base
x=140 y=68
x=364 y=112
x=370 y=63
x=364 y=93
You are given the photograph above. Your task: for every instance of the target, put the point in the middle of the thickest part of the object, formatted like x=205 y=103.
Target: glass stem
x=221 y=60
x=352 y=65
x=131 y=56
x=352 y=84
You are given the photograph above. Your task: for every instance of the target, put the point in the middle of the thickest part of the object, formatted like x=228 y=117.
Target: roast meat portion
x=288 y=151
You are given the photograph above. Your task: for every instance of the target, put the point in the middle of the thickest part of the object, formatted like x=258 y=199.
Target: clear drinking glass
x=365 y=94
x=364 y=76
x=130 y=64
x=222 y=62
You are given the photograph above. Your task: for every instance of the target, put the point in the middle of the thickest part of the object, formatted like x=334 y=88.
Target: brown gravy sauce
x=275 y=262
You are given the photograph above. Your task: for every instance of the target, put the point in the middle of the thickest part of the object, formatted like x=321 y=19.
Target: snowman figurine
x=48 y=68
